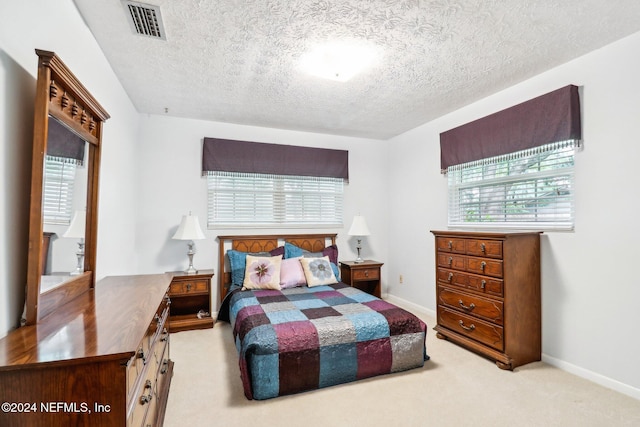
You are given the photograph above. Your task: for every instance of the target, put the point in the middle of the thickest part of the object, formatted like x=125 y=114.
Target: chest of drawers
x=488 y=294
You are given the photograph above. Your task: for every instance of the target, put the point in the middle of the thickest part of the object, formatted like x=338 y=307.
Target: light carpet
x=455 y=388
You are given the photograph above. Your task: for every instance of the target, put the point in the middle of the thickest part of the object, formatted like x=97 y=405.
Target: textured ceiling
x=237 y=61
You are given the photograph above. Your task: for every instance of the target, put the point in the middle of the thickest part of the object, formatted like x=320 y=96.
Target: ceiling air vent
x=145 y=19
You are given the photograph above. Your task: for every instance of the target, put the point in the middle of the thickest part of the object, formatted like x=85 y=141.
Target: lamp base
x=190 y=269
x=358 y=247
x=80 y=255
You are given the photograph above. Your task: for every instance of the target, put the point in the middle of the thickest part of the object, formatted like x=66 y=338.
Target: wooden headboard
x=258 y=243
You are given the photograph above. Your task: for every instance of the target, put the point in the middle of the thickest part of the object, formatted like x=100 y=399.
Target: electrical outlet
x=401 y=279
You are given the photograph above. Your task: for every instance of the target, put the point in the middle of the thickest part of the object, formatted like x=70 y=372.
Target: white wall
x=169 y=184
x=589 y=284
x=151 y=176
x=57 y=26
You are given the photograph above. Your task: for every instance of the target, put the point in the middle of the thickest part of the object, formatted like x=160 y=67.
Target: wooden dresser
x=488 y=294
x=100 y=360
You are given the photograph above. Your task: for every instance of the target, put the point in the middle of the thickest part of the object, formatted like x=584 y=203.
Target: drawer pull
x=167 y=299
x=142 y=356
x=450 y=277
x=146 y=398
x=188 y=287
x=483 y=265
x=483 y=248
x=450 y=244
x=483 y=284
x=366 y=273
x=450 y=261
x=165 y=366
x=468 y=308
x=165 y=335
x=466 y=328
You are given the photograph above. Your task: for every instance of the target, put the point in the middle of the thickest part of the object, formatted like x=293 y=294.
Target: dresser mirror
x=64 y=199
x=67 y=132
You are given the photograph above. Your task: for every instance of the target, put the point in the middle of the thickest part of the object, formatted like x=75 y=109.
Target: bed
x=292 y=336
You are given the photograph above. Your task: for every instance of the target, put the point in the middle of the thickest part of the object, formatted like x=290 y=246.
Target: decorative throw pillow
x=292 y=251
x=278 y=251
x=291 y=273
x=262 y=272
x=238 y=263
x=318 y=271
x=332 y=252
x=336 y=271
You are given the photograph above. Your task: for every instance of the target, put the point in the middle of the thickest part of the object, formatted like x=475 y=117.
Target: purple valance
x=63 y=144
x=548 y=118
x=225 y=155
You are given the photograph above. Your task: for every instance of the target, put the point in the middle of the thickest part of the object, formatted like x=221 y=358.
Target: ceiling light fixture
x=338 y=61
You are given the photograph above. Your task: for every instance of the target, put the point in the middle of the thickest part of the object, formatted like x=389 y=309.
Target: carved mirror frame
x=61 y=95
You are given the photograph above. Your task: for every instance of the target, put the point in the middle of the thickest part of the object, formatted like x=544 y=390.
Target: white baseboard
x=410 y=305
x=592 y=376
x=560 y=364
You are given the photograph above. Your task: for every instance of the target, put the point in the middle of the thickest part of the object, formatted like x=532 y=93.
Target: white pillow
x=262 y=272
x=318 y=271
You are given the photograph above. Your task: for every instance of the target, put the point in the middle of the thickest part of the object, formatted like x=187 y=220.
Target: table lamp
x=190 y=230
x=359 y=228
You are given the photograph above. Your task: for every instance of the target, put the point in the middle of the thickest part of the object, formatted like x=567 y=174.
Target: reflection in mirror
x=76 y=231
x=64 y=198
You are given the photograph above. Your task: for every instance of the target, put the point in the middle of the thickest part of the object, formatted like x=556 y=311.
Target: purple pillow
x=277 y=251
x=332 y=253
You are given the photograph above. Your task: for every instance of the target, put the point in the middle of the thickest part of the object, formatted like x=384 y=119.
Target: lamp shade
x=77 y=227
x=189 y=229
x=359 y=227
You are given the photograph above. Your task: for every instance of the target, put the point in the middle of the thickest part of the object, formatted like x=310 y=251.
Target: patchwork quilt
x=306 y=338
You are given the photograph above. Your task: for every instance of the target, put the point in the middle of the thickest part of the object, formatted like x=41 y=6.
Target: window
x=57 y=198
x=528 y=189
x=264 y=200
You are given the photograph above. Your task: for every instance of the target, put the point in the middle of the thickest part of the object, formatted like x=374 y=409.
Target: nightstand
x=190 y=294
x=362 y=275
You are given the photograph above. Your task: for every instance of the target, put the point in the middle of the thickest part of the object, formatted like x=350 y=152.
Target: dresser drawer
x=486 y=284
x=452 y=277
x=366 y=274
x=163 y=368
x=186 y=287
x=485 y=332
x=451 y=245
x=448 y=260
x=484 y=266
x=484 y=248
x=152 y=412
x=143 y=397
x=487 y=309
x=133 y=371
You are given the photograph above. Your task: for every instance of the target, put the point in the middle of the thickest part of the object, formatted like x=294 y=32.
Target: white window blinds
x=528 y=189
x=263 y=201
x=57 y=198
